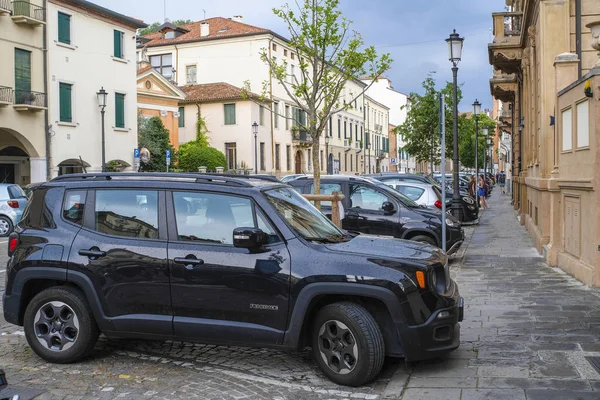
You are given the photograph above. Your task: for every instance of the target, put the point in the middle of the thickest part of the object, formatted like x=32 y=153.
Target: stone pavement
x=526 y=333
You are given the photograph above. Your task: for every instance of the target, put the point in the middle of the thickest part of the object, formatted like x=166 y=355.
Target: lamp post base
x=457 y=211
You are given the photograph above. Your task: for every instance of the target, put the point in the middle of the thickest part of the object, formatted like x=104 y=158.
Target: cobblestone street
x=526 y=333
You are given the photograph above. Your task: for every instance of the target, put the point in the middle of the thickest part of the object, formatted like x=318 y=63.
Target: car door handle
x=92 y=253
x=190 y=263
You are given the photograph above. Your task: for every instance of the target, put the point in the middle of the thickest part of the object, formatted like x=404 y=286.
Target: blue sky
x=413 y=31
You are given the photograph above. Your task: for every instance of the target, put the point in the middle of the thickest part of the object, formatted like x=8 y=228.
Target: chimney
x=238 y=18
x=204 y=29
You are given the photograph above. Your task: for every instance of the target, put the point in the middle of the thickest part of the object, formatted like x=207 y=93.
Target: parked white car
x=423 y=194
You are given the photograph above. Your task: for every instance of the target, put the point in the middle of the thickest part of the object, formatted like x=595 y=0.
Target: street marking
x=3 y=241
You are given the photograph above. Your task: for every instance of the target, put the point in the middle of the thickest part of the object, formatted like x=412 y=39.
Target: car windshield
x=303 y=217
x=401 y=197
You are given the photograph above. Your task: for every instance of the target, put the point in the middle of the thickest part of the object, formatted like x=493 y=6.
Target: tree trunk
x=316 y=165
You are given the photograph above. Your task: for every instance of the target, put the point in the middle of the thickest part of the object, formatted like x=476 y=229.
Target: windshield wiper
x=327 y=240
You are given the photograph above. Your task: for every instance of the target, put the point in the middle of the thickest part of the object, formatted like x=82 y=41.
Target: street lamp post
x=491 y=150
x=455 y=45
x=255 y=132
x=476 y=111
x=102 y=95
x=485 y=136
x=369 y=148
x=327 y=152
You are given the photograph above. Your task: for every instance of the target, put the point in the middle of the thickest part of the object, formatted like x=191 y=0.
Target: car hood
x=371 y=246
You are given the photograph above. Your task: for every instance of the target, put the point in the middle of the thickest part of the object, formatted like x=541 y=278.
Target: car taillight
x=13 y=204
x=438 y=204
x=13 y=241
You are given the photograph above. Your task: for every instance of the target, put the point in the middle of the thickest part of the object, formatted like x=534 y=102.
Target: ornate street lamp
x=255 y=132
x=455 y=45
x=476 y=112
x=327 y=153
x=102 y=95
x=485 y=135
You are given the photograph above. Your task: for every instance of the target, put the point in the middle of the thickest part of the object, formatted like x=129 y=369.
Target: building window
x=276 y=114
x=274 y=47
x=285 y=52
x=231 y=155
x=287 y=118
x=351 y=162
x=277 y=157
x=261 y=115
x=181 y=119
x=583 y=124
x=567 y=130
x=321 y=159
x=345 y=130
x=22 y=76
x=330 y=133
x=163 y=64
x=357 y=163
x=119 y=110
x=262 y=156
x=356 y=131
x=346 y=162
x=292 y=55
x=339 y=128
x=65 y=102
x=118 y=47
x=288 y=157
x=229 y=110
x=309 y=158
x=190 y=74
x=64 y=28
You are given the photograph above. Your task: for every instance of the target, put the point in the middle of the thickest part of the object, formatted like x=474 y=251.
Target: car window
x=366 y=198
x=412 y=192
x=211 y=218
x=128 y=213
x=15 y=192
x=74 y=206
x=327 y=188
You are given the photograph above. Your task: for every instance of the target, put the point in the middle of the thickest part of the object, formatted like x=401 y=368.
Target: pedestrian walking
x=502 y=181
x=473 y=186
x=481 y=192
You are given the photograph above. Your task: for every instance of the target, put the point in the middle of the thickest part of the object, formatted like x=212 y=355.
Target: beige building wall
x=22 y=126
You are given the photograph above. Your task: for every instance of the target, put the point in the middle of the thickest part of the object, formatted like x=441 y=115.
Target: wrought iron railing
x=27 y=9
x=301 y=136
x=513 y=24
x=5 y=5
x=6 y=94
x=36 y=99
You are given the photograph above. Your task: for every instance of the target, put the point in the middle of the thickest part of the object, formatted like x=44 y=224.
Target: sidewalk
x=527 y=327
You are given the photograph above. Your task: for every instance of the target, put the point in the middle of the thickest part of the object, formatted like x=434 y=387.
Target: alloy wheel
x=56 y=326
x=338 y=347
x=4 y=227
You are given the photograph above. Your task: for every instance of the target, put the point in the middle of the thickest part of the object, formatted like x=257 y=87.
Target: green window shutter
x=229 y=114
x=119 y=110
x=65 y=101
x=22 y=75
x=64 y=28
x=118 y=37
x=182 y=117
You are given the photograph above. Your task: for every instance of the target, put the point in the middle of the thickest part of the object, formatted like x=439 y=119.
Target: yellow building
x=544 y=58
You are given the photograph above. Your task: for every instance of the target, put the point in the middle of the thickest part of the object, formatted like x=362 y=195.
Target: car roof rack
x=220 y=179
x=259 y=177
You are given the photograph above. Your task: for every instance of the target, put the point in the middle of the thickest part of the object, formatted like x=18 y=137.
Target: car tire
x=424 y=239
x=59 y=325
x=6 y=226
x=350 y=329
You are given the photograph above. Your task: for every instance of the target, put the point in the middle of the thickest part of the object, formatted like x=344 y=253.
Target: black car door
x=221 y=293
x=122 y=251
x=365 y=211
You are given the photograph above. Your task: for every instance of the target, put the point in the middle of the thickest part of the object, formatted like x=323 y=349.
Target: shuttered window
x=22 y=75
x=119 y=110
x=64 y=28
x=65 y=102
x=182 y=117
x=118 y=38
x=229 y=110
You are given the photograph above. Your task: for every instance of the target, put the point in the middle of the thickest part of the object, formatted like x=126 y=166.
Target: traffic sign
x=393 y=161
x=168 y=159
x=136 y=159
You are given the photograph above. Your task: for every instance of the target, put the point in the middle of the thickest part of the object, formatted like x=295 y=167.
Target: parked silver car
x=423 y=194
x=12 y=204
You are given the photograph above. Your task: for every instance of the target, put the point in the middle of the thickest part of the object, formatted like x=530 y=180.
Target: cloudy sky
x=413 y=31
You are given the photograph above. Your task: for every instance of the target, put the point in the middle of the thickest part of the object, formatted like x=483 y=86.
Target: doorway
x=7 y=173
x=298 y=162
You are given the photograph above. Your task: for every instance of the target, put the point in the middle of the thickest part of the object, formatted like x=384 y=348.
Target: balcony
x=358 y=146
x=505 y=52
x=381 y=154
x=378 y=128
x=5 y=7
x=29 y=101
x=24 y=12
x=504 y=87
x=301 y=137
x=6 y=96
x=347 y=144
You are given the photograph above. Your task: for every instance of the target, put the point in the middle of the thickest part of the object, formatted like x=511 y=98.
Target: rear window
x=15 y=192
x=73 y=206
x=327 y=188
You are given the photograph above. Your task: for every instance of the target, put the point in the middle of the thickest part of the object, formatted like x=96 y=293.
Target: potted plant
x=26 y=98
x=295 y=132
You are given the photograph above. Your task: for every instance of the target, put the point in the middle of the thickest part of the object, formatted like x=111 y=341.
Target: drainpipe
x=578 y=22
x=273 y=114
x=47 y=126
x=176 y=64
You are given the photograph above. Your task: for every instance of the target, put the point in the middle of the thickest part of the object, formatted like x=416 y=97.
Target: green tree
x=193 y=155
x=330 y=55
x=421 y=130
x=155 y=25
x=466 y=138
x=153 y=135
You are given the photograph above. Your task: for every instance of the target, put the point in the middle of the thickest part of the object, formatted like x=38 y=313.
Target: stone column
x=38 y=169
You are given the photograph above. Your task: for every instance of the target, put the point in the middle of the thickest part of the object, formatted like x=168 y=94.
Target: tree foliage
x=153 y=135
x=330 y=54
x=155 y=25
x=421 y=130
x=466 y=141
x=193 y=155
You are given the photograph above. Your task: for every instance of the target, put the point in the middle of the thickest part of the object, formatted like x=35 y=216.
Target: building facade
x=23 y=88
x=547 y=72
x=90 y=48
x=377 y=130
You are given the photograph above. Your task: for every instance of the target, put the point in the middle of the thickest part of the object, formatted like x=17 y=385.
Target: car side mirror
x=388 y=207
x=249 y=238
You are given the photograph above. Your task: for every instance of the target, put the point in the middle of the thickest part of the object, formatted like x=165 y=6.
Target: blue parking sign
x=136 y=153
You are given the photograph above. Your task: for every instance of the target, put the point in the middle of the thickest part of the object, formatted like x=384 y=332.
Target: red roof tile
x=218 y=28
x=213 y=92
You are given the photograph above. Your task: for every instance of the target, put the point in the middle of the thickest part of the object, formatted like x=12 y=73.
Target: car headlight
x=468 y=200
x=451 y=223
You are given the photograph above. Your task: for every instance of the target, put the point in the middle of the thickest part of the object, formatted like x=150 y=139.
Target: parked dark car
x=221 y=260
x=374 y=208
x=469 y=207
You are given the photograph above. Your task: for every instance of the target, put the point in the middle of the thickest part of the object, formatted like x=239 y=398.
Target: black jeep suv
x=222 y=260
